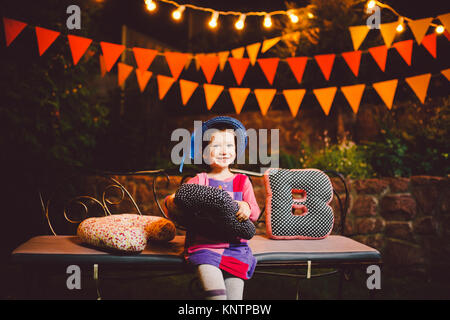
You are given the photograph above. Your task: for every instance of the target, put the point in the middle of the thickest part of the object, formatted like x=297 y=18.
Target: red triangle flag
x=111 y=52
x=297 y=65
x=429 y=42
x=45 y=38
x=176 y=62
x=78 y=46
x=12 y=29
x=239 y=68
x=325 y=62
x=209 y=64
x=404 y=48
x=269 y=67
x=353 y=59
x=379 y=54
x=144 y=57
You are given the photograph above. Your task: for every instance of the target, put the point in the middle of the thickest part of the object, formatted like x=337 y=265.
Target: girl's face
x=221 y=151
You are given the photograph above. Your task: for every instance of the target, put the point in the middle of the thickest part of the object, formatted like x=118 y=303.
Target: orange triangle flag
x=212 y=93
x=445 y=19
x=143 y=76
x=187 y=88
x=386 y=91
x=252 y=51
x=297 y=65
x=12 y=29
x=325 y=62
x=353 y=59
x=358 y=34
x=269 y=43
x=223 y=57
x=325 y=96
x=209 y=64
x=294 y=98
x=78 y=46
x=123 y=71
x=388 y=32
x=111 y=52
x=429 y=42
x=45 y=38
x=239 y=96
x=404 y=48
x=269 y=67
x=238 y=53
x=164 y=84
x=379 y=54
x=144 y=57
x=446 y=73
x=102 y=65
x=239 y=68
x=176 y=62
x=264 y=98
x=419 y=28
x=419 y=84
x=354 y=94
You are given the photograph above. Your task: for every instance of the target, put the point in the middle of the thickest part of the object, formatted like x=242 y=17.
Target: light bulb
x=293 y=17
x=400 y=28
x=240 y=23
x=213 y=22
x=178 y=12
x=371 y=4
x=151 y=6
x=267 y=21
x=439 y=29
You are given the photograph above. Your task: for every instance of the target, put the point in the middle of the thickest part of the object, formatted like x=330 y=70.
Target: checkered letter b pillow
x=297 y=204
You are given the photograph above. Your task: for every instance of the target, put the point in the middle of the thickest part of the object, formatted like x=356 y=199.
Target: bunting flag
x=325 y=96
x=123 y=71
x=102 y=65
x=429 y=42
x=386 y=91
x=269 y=68
x=353 y=60
x=379 y=54
x=176 y=62
x=358 y=34
x=187 y=88
x=388 y=32
x=239 y=68
x=197 y=60
x=447 y=35
x=297 y=65
x=238 y=96
x=252 y=51
x=12 y=29
x=325 y=62
x=212 y=93
x=446 y=73
x=238 y=53
x=45 y=38
x=294 y=99
x=164 y=84
x=445 y=19
x=223 y=57
x=143 y=76
x=419 y=28
x=111 y=52
x=209 y=64
x=264 y=98
x=78 y=46
x=269 y=43
x=404 y=48
x=144 y=57
x=353 y=94
x=419 y=84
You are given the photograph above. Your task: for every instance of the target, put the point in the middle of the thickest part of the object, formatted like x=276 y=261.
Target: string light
x=400 y=27
x=151 y=6
x=371 y=4
x=439 y=29
x=240 y=23
x=213 y=22
x=293 y=17
x=178 y=12
x=267 y=21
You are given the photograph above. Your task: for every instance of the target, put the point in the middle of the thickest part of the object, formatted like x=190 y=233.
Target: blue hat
x=239 y=128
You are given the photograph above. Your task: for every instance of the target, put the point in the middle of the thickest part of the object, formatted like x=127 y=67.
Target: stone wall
x=406 y=219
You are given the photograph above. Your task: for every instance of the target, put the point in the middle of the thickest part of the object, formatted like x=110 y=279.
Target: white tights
x=216 y=287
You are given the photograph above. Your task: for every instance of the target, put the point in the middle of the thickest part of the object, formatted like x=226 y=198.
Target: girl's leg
x=235 y=288
x=212 y=281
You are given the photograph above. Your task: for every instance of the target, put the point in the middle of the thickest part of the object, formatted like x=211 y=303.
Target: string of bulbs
x=267 y=22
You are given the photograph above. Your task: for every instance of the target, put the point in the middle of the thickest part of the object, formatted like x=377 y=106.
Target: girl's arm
x=248 y=196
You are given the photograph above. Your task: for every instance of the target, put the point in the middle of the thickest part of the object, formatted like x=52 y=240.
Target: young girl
x=223 y=267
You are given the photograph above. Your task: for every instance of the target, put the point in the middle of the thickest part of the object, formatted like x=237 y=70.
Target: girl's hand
x=171 y=206
x=243 y=212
